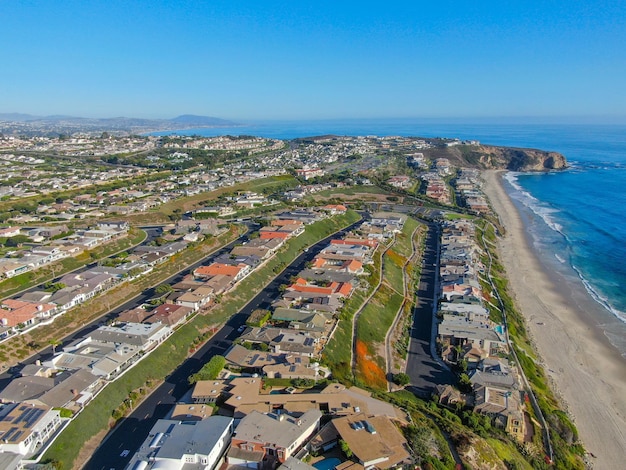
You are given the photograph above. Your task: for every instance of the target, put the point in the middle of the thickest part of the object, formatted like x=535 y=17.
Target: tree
x=54 y=343
x=209 y=371
x=345 y=448
x=54 y=286
x=465 y=384
x=163 y=289
x=17 y=240
x=401 y=379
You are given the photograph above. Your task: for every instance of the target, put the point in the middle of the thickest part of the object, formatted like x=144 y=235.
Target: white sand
x=587 y=370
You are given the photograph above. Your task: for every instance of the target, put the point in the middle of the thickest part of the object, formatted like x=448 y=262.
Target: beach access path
x=588 y=373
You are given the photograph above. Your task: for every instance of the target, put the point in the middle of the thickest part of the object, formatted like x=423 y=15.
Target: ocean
x=576 y=219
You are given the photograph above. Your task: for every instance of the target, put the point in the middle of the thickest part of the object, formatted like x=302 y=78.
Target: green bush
x=210 y=371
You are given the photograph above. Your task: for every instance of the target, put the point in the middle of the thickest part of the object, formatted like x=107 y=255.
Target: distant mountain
x=17 y=117
x=193 y=120
x=27 y=124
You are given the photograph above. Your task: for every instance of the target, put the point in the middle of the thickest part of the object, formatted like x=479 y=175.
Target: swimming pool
x=327 y=464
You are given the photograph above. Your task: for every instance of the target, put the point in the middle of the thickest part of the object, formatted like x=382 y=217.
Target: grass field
x=379 y=314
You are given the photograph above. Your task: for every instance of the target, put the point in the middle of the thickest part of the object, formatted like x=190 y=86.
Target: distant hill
x=27 y=124
x=193 y=120
x=18 y=117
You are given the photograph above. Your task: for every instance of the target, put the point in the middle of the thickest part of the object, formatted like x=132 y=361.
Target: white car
x=124 y=453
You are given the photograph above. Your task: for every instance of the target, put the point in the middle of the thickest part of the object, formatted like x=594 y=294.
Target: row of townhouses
x=469 y=339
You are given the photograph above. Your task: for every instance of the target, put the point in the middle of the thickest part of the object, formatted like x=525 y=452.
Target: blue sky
x=314 y=59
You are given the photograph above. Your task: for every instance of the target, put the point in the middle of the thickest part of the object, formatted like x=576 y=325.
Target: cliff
x=506 y=158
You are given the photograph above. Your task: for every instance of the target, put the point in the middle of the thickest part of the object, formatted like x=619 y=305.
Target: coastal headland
x=586 y=370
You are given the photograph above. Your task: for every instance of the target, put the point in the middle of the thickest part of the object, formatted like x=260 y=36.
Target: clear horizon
x=324 y=60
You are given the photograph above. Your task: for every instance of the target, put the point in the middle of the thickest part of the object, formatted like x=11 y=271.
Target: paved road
x=133 y=430
x=424 y=371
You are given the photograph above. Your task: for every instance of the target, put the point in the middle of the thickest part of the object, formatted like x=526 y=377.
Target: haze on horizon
x=319 y=60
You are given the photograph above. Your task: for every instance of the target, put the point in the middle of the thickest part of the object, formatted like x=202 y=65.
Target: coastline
x=586 y=371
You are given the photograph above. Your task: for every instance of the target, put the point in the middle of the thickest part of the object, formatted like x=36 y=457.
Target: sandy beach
x=587 y=371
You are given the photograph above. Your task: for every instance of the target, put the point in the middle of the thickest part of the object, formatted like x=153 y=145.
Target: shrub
x=209 y=371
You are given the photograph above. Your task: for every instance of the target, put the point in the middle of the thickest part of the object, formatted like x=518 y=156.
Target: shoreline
x=586 y=371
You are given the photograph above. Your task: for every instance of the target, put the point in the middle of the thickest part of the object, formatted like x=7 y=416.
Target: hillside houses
x=110 y=350
x=466 y=334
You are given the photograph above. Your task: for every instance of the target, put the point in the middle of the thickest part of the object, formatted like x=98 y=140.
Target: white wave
x=511 y=177
x=595 y=295
x=535 y=205
x=559 y=258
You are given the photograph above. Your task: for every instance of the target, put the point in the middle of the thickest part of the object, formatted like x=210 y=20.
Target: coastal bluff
x=491 y=157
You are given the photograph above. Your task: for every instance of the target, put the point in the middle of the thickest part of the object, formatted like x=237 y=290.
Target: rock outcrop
x=505 y=158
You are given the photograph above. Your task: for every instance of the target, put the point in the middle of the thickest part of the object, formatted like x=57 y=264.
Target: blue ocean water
x=576 y=218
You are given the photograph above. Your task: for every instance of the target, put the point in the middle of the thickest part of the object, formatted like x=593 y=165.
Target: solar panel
x=17 y=436
x=9 y=433
x=22 y=416
x=32 y=419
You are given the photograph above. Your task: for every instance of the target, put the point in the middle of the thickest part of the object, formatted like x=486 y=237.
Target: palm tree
x=54 y=343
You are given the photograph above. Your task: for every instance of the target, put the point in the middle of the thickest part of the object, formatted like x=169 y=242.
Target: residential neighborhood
x=274 y=398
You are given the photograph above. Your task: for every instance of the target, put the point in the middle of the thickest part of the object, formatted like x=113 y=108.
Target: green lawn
x=338 y=351
x=392 y=271
x=378 y=315
x=403 y=244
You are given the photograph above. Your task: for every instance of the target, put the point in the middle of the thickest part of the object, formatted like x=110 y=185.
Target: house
x=504 y=406
x=271 y=364
x=208 y=226
x=214 y=269
x=263 y=248
x=208 y=391
x=14 y=312
x=282 y=340
x=27 y=426
x=270 y=233
x=109 y=351
x=8 y=232
x=12 y=267
x=195 y=299
x=115 y=226
x=135 y=315
x=49 y=232
x=175 y=444
x=457 y=331
x=74 y=390
x=144 y=336
x=219 y=283
x=293 y=463
x=308 y=174
x=375 y=441
x=400 y=181
x=335 y=208
x=244 y=396
x=332 y=263
x=169 y=314
x=341 y=289
x=273 y=437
